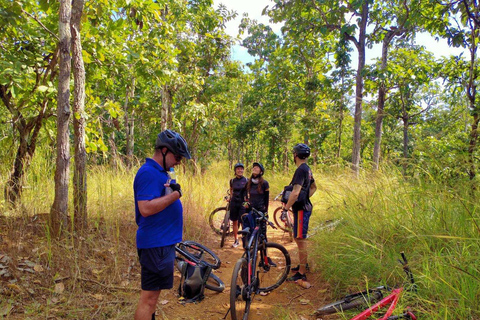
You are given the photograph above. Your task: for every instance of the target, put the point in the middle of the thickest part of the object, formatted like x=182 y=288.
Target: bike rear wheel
x=273 y=268
x=241 y=294
x=225 y=228
x=362 y=299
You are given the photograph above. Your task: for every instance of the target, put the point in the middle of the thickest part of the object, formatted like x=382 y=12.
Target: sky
x=254 y=10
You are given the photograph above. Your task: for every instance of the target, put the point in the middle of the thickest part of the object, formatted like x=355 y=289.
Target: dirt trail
x=289 y=300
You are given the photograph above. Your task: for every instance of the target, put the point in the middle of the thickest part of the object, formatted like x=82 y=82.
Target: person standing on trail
x=159 y=216
x=258 y=189
x=302 y=182
x=237 y=197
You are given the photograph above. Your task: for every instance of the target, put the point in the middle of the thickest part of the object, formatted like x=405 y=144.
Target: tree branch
x=41 y=24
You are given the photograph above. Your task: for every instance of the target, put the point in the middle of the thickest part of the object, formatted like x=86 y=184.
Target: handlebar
x=263 y=216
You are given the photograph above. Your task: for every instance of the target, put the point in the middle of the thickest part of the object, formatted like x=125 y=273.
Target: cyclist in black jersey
x=237 y=192
x=258 y=189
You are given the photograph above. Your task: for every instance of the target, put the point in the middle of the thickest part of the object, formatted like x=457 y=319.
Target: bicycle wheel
x=216 y=219
x=198 y=253
x=284 y=224
x=240 y=293
x=362 y=299
x=273 y=268
x=225 y=228
x=214 y=283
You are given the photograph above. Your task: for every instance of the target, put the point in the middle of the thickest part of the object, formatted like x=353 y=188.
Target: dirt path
x=289 y=301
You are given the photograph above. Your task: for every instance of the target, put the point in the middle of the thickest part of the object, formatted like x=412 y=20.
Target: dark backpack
x=302 y=197
x=192 y=283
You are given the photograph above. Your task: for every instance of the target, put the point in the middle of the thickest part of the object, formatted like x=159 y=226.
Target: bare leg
x=235 y=229
x=147 y=305
x=302 y=254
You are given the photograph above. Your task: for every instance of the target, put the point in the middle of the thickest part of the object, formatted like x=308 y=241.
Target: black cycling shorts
x=236 y=211
x=157 y=267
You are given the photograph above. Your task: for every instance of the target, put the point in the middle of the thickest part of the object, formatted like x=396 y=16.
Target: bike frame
x=391 y=300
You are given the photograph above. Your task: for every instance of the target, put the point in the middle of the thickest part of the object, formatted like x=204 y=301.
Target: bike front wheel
x=214 y=283
x=241 y=293
x=198 y=253
x=273 y=266
x=356 y=301
x=216 y=219
x=225 y=228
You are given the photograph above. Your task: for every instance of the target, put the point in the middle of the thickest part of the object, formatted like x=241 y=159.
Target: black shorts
x=236 y=211
x=157 y=267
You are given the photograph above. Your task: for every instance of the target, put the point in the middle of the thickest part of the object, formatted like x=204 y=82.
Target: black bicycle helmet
x=238 y=165
x=258 y=164
x=302 y=150
x=174 y=142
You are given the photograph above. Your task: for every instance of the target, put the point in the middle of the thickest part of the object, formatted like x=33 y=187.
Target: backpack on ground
x=192 y=283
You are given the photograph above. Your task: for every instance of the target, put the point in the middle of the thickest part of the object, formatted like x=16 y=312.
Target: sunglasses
x=178 y=157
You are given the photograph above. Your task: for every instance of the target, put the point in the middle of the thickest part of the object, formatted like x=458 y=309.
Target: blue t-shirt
x=165 y=227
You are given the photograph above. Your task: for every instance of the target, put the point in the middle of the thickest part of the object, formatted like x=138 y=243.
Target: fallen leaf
x=303 y=318
x=38 y=268
x=59 y=288
x=14 y=287
x=98 y=296
x=164 y=302
x=304 y=301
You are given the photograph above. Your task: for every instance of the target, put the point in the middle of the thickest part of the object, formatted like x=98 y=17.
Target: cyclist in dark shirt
x=302 y=181
x=237 y=197
x=258 y=189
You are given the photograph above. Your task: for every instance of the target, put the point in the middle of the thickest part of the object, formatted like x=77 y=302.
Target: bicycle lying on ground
x=219 y=220
x=283 y=219
x=375 y=296
x=194 y=253
x=262 y=268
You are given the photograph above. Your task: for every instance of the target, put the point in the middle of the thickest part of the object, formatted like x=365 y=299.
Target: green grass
x=436 y=226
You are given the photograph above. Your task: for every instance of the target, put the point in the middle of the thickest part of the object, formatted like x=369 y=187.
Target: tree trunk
x=80 y=172
x=472 y=96
x=359 y=89
x=166 y=120
x=59 y=211
x=130 y=123
x=406 y=120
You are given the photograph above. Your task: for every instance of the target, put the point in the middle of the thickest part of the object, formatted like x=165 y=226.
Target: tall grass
x=436 y=226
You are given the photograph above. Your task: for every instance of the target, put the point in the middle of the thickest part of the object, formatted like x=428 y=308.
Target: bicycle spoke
x=274 y=268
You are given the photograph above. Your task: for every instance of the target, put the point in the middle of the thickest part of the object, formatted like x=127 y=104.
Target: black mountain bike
x=263 y=267
x=219 y=220
x=194 y=253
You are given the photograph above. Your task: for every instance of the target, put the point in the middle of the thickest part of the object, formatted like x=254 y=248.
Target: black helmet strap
x=164 y=156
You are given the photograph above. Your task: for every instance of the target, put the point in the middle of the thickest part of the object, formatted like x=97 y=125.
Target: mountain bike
x=219 y=220
x=194 y=253
x=376 y=296
x=283 y=219
x=263 y=267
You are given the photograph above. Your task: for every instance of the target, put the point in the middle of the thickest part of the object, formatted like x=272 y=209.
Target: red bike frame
x=391 y=299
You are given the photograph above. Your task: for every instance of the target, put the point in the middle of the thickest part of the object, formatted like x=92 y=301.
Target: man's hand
x=176 y=187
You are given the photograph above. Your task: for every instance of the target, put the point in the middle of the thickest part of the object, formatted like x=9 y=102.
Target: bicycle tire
x=347 y=304
x=225 y=228
x=216 y=218
x=240 y=293
x=271 y=277
x=190 y=247
x=285 y=226
x=214 y=283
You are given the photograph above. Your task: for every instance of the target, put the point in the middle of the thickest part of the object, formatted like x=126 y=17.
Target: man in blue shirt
x=159 y=216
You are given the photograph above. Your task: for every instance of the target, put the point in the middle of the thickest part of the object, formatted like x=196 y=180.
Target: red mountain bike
x=376 y=297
